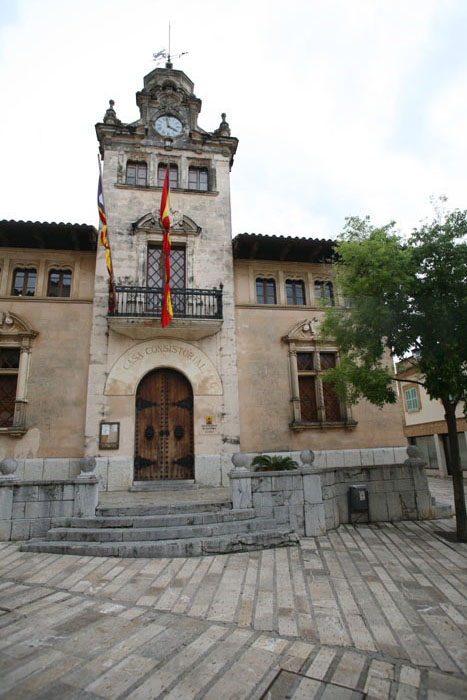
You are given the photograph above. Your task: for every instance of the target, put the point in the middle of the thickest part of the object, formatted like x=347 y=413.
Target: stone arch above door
x=140 y=359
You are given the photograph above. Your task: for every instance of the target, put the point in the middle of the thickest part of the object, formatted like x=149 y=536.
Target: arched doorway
x=164 y=445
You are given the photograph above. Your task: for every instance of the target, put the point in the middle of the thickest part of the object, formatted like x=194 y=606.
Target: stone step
x=76 y=534
x=190 y=547
x=164 y=485
x=169 y=509
x=145 y=521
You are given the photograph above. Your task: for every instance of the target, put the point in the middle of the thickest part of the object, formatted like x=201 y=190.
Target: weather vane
x=160 y=55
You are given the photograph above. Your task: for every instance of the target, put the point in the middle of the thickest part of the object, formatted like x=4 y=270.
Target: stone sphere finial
x=224 y=128
x=307 y=457
x=87 y=464
x=110 y=116
x=239 y=460
x=8 y=466
x=414 y=452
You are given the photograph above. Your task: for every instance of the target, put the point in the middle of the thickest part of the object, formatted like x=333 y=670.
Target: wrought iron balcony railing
x=186 y=303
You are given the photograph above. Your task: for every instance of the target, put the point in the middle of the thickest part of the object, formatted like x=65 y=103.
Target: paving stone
x=390 y=600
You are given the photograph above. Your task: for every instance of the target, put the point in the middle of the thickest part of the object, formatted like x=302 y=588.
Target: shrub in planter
x=264 y=463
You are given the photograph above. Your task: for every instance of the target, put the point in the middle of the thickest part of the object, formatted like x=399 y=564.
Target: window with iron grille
x=295 y=290
x=156 y=277
x=59 y=283
x=318 y=400
x=324 y=294
x=24 y=282
x=265 y=291
x=198 y=179
x=9 y=365
x=173 y=175
x=136 y=173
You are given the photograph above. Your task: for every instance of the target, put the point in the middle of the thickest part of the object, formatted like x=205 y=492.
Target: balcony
x=197 y=313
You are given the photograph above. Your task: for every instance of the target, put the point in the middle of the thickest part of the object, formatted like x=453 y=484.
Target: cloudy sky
x=341 y=107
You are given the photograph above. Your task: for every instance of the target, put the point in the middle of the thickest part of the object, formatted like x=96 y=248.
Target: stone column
x=313 y=506
x=7 y=481
x=241 y=487
x=294 y=383
x=86 y=497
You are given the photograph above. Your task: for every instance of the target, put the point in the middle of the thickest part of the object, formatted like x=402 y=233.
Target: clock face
x=168 y=126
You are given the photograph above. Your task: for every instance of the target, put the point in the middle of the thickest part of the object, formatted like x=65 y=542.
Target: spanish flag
x=104 y=241
x=167 y=312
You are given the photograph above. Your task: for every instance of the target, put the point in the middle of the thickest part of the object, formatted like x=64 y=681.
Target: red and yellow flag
x=167 y=312
x=104 y=241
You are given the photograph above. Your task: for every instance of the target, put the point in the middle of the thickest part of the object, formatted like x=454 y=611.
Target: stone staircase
x=170 y=530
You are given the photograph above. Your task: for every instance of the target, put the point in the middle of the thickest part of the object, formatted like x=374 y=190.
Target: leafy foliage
x=264 y=463
x=406 y=296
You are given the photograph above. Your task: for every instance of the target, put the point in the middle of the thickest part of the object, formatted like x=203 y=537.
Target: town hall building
x=239 y=367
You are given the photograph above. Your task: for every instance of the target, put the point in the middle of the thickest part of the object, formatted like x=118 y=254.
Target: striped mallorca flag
x=104 y=241
x=167 y=312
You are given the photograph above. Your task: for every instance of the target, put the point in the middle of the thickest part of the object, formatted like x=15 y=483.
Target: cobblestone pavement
x=371 y=609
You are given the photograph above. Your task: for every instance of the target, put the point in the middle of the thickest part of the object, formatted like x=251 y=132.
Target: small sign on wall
x=209 y=426
x=109 y=436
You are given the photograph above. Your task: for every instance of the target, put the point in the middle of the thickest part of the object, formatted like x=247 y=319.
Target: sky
x=341 y=107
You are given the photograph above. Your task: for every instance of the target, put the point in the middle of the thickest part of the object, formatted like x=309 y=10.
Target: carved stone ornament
x=110 y=117
x=13 y=325
x=303 y=330
x=180 y=223
x=224 y=128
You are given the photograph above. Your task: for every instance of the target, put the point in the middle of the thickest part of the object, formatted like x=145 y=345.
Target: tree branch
x=412 y=381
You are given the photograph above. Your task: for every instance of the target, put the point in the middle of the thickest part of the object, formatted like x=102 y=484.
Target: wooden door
x=164 y=427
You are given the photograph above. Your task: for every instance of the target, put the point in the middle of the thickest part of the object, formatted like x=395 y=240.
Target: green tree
x=406 y=296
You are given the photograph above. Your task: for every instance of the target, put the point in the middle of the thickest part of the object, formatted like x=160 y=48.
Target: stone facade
x=82 y=366
x=52 y=335
x=269 y=336
x=122 y=356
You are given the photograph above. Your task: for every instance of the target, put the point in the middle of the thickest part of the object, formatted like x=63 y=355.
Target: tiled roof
x=49 y=235
x=257 y=246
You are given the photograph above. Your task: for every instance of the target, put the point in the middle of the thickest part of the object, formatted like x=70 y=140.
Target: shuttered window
x=136 y=173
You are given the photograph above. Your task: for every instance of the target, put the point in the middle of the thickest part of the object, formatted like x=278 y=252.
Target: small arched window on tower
x=173 y=175
x=136 y=173
x=324 y=294
x=198 y=179
x=59 y=283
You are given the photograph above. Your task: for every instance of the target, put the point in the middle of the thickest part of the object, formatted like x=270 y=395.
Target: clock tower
x=163 y=402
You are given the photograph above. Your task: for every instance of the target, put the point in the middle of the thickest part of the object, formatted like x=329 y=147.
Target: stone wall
x=28 y=507
x=314 y=500
x=395 y=492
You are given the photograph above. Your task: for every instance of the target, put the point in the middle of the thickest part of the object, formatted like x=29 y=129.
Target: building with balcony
x=239 y=366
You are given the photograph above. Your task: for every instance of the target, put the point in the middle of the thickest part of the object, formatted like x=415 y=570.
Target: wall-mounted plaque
x=109 y=436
